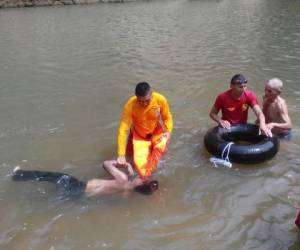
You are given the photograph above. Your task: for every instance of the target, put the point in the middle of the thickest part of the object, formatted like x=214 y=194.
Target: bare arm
x=261 y=118
x=284 y=116
x=214 y=116
x=130 y=169
x=119 y=183
x=111 y=168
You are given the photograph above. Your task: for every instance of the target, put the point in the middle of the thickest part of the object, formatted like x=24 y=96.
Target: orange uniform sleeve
x=166 y=115
x=125 y=124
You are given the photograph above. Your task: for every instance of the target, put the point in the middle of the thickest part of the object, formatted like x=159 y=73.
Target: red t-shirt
x=235 y=110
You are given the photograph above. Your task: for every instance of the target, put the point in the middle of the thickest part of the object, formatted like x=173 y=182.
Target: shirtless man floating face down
x=71 y=186
x=120 y=181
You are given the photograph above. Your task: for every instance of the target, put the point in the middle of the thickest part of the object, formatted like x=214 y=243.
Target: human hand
x=224 y=124
x=167 y=135
x=270 y=125
x=265 y=130
x=130 y=169
x=121 y=160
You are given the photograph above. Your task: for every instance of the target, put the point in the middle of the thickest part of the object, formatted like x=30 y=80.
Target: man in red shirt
x=234 y=104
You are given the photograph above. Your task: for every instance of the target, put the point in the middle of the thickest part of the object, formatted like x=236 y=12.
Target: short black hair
x=238 y=79
x=148 y=187
x=142 y=89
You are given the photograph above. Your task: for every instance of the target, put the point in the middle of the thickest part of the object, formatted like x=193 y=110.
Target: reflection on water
x=65 y=75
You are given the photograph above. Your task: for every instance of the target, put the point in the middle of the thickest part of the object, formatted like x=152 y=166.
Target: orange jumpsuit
x=146 y=124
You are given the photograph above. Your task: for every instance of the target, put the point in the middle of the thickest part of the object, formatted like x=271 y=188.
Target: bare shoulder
x=281 y=103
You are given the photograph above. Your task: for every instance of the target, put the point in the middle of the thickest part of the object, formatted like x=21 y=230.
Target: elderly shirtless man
x=275 y=110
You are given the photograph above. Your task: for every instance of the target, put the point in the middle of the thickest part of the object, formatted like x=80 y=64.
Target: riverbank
x=34 y=3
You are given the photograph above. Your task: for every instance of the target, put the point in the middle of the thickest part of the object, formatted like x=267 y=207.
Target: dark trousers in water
x=66 y=183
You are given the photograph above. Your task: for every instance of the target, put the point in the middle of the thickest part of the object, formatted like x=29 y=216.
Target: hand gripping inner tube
x=261 y=147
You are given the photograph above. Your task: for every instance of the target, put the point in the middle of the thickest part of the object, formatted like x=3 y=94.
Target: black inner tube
x=238 y=133
x=261 y=147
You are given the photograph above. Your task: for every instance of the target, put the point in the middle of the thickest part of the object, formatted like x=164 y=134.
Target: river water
x=65 y=73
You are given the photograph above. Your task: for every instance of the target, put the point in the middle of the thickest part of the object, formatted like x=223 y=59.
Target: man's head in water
x=148 y=187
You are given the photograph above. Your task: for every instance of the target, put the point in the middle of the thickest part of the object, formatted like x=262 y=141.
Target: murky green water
x=65 y=75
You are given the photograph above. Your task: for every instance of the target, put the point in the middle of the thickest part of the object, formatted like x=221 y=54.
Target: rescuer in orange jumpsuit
x=147 y=118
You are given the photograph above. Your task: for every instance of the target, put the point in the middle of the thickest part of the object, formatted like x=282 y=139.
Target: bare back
x=101 y=187
x=276 y=111
x=119 y=183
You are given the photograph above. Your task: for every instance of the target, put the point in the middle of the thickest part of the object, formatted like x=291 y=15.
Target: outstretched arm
x=261 y=118
x=119 y=183
x=100 y=186
x=214 y=116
